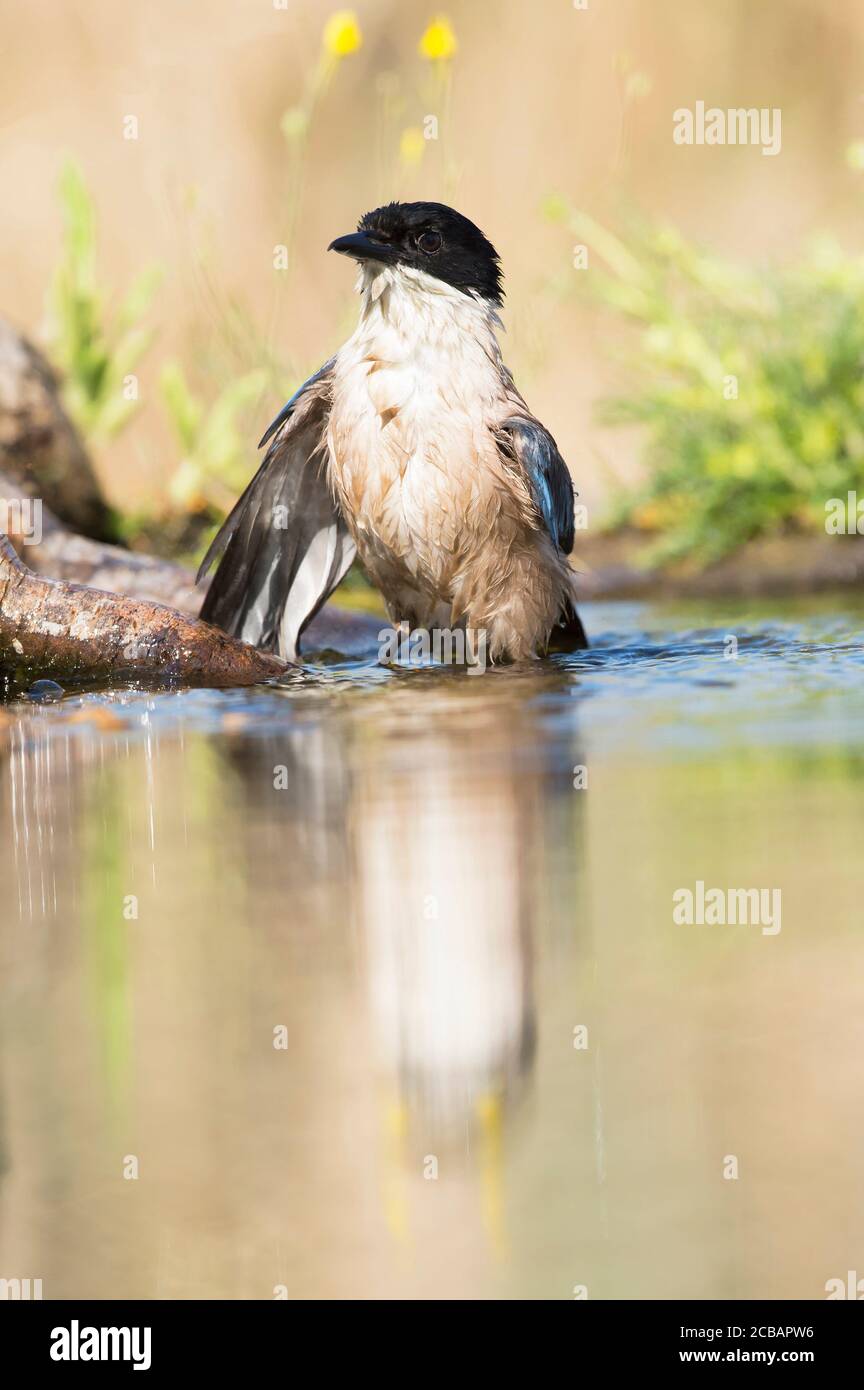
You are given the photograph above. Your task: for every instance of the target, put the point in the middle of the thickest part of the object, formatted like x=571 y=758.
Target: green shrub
x=749 y=385
x=216 y=441
x=96 y=352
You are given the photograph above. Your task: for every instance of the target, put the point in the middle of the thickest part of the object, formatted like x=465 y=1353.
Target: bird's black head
x=428 y=237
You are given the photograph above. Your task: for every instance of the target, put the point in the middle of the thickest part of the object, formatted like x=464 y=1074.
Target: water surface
x=373 y=978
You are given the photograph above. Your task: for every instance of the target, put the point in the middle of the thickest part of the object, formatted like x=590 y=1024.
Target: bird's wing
x=529 y=448
x=524 y=442
x=285 y=545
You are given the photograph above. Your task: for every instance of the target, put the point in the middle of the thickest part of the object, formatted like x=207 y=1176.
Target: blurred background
x=174 y=175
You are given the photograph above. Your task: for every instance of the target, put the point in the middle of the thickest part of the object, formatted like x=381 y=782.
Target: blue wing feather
x=532 y=447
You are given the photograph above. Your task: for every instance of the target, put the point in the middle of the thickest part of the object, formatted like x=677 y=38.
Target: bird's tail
x=568 y=634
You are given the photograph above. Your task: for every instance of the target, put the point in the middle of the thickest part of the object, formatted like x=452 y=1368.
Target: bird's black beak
x=360 y=246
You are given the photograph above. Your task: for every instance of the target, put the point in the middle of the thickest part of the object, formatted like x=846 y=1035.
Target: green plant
x=97 y=353
x=214 y=439
x=748 y=385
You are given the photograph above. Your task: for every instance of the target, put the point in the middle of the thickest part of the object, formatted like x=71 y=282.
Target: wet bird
x=413 y=450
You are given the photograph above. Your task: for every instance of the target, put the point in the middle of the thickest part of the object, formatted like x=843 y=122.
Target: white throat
x=402 y=303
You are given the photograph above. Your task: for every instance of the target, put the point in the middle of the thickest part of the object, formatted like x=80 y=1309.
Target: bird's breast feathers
x=417 y=391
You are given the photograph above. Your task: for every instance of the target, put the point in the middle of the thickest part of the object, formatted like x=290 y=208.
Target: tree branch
x=71 y=633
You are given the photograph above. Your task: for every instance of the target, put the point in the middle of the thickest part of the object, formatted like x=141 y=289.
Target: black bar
x=221 y=1338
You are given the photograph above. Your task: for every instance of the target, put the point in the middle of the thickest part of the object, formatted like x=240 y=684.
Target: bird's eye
x=429 y=243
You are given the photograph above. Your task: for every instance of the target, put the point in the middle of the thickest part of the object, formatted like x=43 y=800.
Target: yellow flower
x=342 y=34
x=438 y=42
x=412 y=145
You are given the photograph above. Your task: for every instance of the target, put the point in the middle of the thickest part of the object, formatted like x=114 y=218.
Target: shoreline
x=778 y=566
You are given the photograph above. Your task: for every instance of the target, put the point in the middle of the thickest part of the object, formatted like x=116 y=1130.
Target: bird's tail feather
x=568 y=634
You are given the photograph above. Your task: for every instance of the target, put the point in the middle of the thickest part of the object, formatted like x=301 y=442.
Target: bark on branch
x=70 y=633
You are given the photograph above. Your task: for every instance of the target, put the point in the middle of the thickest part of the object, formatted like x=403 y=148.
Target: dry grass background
x=539 y=104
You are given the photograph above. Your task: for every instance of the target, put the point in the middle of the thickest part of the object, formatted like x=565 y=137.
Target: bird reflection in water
x=448 y=829
x=388 y=904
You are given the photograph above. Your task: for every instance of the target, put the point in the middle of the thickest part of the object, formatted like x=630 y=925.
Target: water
x=376 y=1002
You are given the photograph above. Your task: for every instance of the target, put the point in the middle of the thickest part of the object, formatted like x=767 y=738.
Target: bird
x=411 y=450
